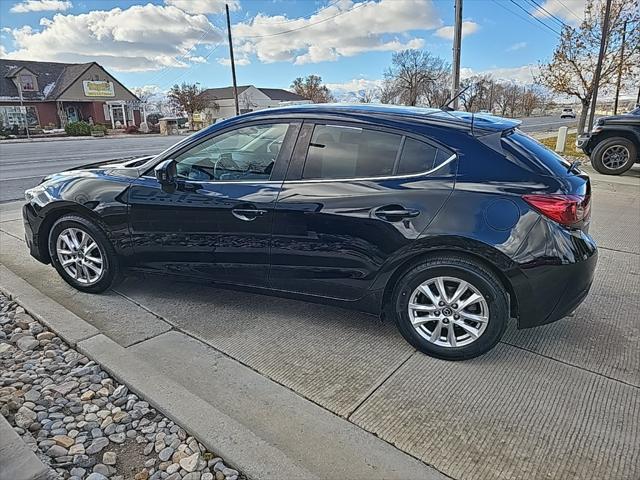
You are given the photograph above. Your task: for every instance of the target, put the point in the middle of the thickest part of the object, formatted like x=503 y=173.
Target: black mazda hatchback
x=447 y=223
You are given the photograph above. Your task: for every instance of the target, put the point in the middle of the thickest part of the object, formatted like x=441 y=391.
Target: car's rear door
x=354 y=195
x=217 y=223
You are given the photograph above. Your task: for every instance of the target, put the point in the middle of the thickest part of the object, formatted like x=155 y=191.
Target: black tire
x=604 y=145
x=111 y=273
x=461 y=268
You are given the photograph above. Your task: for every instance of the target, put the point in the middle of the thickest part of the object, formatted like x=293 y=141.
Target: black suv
x=614 y=143
x=447 y=223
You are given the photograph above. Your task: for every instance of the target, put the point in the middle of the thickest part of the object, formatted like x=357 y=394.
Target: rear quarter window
x=418 y=157
x=537 y=156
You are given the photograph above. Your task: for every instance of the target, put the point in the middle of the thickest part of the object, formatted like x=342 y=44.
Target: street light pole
x=457 y=40
x=624 y=36
x=233 y=63
x=596 y=75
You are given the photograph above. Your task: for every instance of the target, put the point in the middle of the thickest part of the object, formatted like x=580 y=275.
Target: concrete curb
x=17 y=461
x=58 y=319
x=218 y=432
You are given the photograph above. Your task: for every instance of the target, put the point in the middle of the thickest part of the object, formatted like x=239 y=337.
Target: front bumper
x=30 y=219
x=582 y=141
x=557 y=283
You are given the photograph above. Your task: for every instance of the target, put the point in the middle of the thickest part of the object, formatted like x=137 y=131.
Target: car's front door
x=354 y=196
x=217 y=223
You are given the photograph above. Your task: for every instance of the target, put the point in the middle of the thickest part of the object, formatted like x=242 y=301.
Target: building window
x=18 y=117
x=26 y=83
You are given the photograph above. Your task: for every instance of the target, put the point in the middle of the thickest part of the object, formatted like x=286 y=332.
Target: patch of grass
x=570 y=147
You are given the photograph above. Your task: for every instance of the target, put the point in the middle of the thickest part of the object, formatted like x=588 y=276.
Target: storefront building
x=51 y=95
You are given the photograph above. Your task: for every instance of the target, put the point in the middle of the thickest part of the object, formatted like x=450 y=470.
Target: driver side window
x=248 y=153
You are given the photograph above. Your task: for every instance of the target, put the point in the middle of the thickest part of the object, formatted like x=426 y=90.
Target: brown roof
x=53 y=78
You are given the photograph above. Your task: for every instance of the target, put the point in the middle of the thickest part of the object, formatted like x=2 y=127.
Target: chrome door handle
x=247 y=214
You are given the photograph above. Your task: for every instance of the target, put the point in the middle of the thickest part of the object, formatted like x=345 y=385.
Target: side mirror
x=166 y=174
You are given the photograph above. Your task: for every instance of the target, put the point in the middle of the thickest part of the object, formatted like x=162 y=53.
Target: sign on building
x=98 y=88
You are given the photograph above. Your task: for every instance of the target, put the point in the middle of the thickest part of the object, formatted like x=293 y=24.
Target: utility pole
x=596 y=76
x=233 y=63
x=624 y=36
x=457 y=40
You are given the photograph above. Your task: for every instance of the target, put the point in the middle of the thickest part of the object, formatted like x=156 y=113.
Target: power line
x=179 y=77
x=355 y=7
x=550 y=15
x=568 y=9
x=520 y=16
x=164 y=70
x=306 y=17
x=534 y=17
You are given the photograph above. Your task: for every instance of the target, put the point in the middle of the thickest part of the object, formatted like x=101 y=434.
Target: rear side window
x=337 y=152
x=420 y=157
x=346 y=152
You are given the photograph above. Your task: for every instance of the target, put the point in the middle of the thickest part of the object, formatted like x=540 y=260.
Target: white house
x=250 y=98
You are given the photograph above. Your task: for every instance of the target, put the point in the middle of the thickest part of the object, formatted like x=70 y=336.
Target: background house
x=250 y=98
x=59 y=93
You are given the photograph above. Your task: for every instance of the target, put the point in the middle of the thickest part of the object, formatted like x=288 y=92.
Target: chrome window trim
x=320 y=180
x=389 y=177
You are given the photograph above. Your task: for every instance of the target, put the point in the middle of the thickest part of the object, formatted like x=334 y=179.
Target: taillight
x=568 y=210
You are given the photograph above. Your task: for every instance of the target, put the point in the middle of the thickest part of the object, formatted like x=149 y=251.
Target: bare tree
x=412 y=76
x=570 y=71
x=369 y=95
x=313 y=89
x=188 y=98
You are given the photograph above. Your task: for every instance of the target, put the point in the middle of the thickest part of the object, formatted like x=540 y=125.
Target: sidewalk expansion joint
x=378 y=384
x=571 y=365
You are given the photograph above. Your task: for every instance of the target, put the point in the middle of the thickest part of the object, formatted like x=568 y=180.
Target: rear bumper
x=556 y=284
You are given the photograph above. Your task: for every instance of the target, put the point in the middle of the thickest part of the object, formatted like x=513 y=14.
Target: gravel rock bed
x=81 y=422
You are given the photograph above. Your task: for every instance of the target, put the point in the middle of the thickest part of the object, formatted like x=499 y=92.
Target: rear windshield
x=532 y=152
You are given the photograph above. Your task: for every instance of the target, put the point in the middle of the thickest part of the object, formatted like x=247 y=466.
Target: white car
x=567 y=113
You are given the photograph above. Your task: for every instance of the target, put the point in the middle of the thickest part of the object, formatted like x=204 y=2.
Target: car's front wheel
x=451 y=307
x=614 y=156
x=82 y=254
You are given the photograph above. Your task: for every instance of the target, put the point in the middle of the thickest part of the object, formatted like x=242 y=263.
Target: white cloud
x=240 y=62
x=571 y=11
x=139 y=38
x=354 y=85
x=468 y=28
x=522 y=75
x=343 y=29
x=41 y=6
x=204 y=6
x=517 y=46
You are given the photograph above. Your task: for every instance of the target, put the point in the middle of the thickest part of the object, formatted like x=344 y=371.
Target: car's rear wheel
x=451 y=307
x=614 y=156
x=83 y=255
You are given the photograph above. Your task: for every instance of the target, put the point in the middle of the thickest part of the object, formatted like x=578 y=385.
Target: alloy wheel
x=616 y=156
x=80 y=256
x=448 y=311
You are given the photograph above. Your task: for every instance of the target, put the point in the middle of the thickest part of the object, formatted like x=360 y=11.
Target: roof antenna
x=446 y=106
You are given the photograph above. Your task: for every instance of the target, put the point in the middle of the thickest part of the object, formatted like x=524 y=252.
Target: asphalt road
x=559 y=401
x=22 y=165
x=546 y=124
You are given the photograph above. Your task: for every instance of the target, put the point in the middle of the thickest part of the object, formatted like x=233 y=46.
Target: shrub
x=99 y=128
x=131 y=129
x=78 y=129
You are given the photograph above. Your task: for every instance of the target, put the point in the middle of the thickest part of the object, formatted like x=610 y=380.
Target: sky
x=349 y=43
